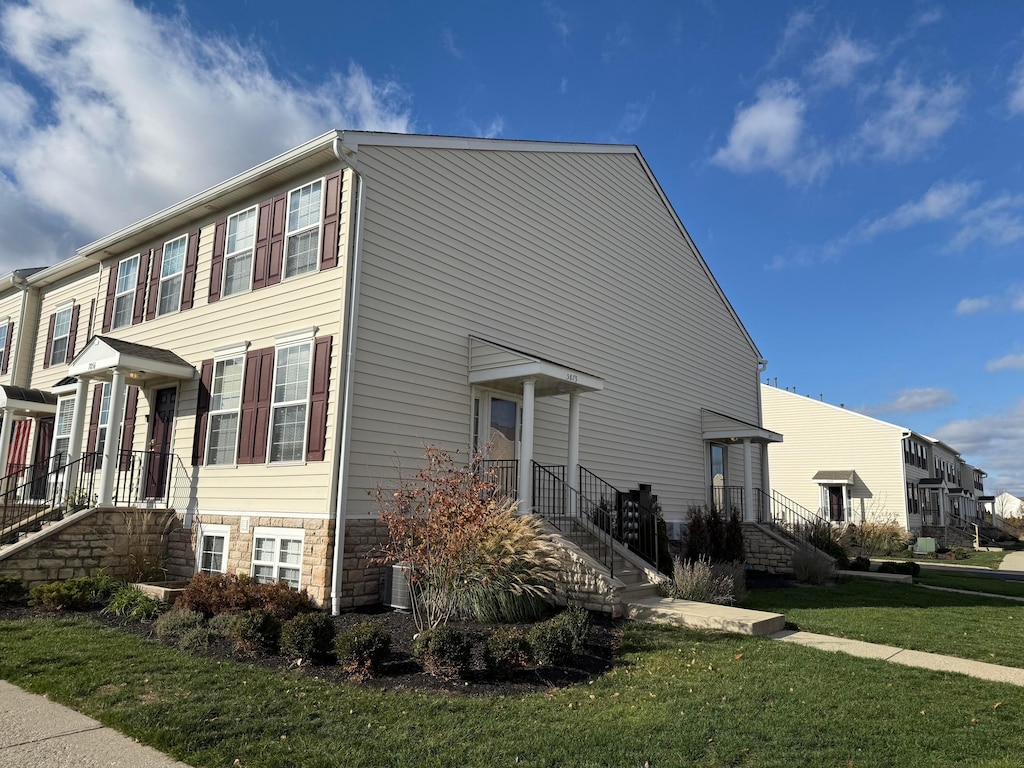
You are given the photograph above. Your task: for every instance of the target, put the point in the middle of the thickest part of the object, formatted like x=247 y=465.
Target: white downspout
x=348 y=377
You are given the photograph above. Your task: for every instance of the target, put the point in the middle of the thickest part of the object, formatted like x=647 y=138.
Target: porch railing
x=505 y=475
x=580 y=519
x=782 y=512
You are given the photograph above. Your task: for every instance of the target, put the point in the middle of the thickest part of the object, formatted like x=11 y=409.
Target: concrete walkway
x=934 y=661
x=1014 y=561
x=40 y=732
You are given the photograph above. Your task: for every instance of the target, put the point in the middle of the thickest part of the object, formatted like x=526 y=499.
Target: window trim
x=289 y=234
x=213 y=530
x=129 y=292
x=5 y=323
x=278 y=534
x=164 y=279
x=238 y=355
x=230 y=255
x=274 y=406
x=70 y=309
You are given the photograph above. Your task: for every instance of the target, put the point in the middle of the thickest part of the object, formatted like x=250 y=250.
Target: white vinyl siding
x=225 y=400
x=290 y=403
x=172 y=271
x=124 y=295
x=302 y=241
x=238 y=252
x=277 y=556
x=61 y=335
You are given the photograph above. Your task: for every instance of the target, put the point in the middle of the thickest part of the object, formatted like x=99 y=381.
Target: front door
x=835 y=503
x=160 y=442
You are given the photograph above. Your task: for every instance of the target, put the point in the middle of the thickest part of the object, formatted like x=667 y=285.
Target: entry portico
x=719 y=428
x=505 y=369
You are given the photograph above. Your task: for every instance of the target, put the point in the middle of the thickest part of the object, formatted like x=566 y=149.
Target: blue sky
x=850 y=171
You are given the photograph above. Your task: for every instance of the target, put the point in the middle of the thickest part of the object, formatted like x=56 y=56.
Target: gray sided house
x=262 y=356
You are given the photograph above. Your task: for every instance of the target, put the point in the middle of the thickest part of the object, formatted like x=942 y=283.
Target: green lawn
x=974 y=559
x=678 y=698
x=954 y=580
x=907 y=616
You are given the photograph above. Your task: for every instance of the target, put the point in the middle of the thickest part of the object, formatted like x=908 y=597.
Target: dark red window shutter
x=49 y=341
x=202 y=413
x=140 y=289
x=154 y=282
x=263 y=230
x=94 y=421
x=332 y=209
x=188 y=280
x=217 y=264
x=276 y=262
x=131 y=407
x=5 y=364
x=256 y=394
x=108 y=306
x=73 y=332
x=316 y=436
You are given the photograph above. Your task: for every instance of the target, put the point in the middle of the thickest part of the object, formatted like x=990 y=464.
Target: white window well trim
x=213 y=529
x=277 y=534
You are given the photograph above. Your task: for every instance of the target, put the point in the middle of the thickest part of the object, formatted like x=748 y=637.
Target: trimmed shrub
x=577 y=624
x=444 y=651
x=211 y=594
x=908 y=568
x=175 y=624
x=706 y=582
x=810 y=567
x=859 y=563
x=81 y=594
x=130 y=603
x=12 y=591
x=256 y=631
x=308 y=637
x=196 y=639
x=551 y=643
x=223 y=625
x=506 y=651
x=363 y=649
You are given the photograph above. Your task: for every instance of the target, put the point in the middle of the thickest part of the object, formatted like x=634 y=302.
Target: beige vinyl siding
x=819 y=436
x=10 y=308
x=569 y=257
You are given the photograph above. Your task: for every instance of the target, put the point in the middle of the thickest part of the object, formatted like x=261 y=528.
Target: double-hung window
x=238 y=249
x=225 y=400
x=290 y=402
x=172 y=271
x=277 y=555
x=212 y=556
x=62 y=430
x=124 y=294
x=302 y=236
x=4 y=324
x=61 y=334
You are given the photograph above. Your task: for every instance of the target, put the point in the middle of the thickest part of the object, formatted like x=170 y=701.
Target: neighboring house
x=265 y=354
x=844 y=466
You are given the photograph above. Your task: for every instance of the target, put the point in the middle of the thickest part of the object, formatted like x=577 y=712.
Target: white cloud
x=928 y=17
x=768 y=135
x=143 y=111
x=998 y=222
x=915 y=118
x=993 y=442
x=941 y=201
x=915 y=401
x=448 y=43
x=796 y=25
x=493 y=129
x=838 y=65
x=1012 y=300
x=559 y=20
x=1013 y=362
x=1016 y=100
x=971 y=306
x=16 y=105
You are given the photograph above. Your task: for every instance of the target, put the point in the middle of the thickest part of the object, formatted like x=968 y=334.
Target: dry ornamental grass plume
x=471 y=554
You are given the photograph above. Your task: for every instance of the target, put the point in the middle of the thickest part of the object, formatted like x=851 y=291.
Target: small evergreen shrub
x=577 y=623
x=444 y=651
x=698 y=538
x=556 y=641
x=81 y=594
x=810 y=567
x=908 y=568
x=308 y=636
x=131 y=604
x=706 y=582
x=733 y=547
x=859 y=563
x=172 y=626
x=363 y=649
x=196 y=639
x=223 y=625
x=12 y=591
x=506 y=651
x=256 y=631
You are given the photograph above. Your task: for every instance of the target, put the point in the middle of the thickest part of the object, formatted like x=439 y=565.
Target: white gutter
x=348 y=379
x=22 y=285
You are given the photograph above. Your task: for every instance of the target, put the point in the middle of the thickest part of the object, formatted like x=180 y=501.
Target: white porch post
x=526 y=450
x=109 y=471
x=5 y=441
x=572 y=467
x=847 y=512
x=77 y=429
x=748 y=482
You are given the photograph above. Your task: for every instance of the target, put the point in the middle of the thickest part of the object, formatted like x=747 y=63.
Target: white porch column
x=109 y=472
x=77 y=429
x=5 y=441
x=748 y=482
x=526 y=449
x=847 y=512
x=572 y=466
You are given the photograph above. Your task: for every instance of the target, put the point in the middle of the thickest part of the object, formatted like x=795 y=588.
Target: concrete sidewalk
x=934 y=661
x=1014 y=561
x=40 y=732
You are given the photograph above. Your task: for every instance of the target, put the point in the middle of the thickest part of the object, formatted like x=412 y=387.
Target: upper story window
x=61 y=334
x=4 y=325
x=241 y=236
x=290 y=403
x=225 y=401
x=124 y=294
x=302 y=236
x=172 y=271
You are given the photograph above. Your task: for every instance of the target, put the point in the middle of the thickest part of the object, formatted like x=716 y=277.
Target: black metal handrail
x=65 y=487
x=573 y=513
x=143 y=477
x=17 y=476
x=727 y=498
x=504 y=473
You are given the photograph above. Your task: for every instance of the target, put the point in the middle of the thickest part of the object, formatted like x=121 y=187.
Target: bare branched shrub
x=705 y=582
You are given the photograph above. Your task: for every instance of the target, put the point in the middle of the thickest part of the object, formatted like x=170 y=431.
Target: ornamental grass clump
x=471 y=554
x=129 y=603
x=705 y=582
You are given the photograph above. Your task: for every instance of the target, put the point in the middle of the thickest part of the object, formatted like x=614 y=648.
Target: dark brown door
x=41 y=456
x=160 y=442
x=835 y=503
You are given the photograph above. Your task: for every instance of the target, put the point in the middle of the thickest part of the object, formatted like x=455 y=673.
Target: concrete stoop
x=705 y=616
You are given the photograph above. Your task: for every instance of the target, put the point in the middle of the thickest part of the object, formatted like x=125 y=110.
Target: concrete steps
x=705 y=616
